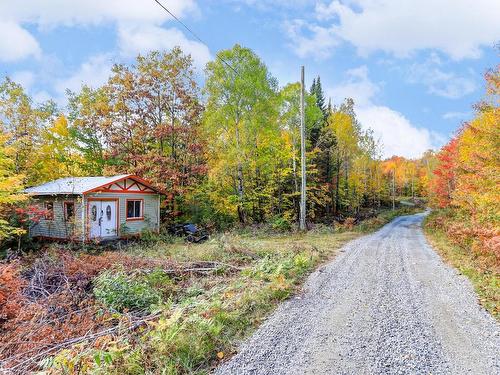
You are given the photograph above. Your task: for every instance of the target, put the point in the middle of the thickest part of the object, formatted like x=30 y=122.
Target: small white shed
x=96 y=208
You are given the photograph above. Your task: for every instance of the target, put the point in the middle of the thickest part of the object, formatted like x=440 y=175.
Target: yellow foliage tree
x=10 y=187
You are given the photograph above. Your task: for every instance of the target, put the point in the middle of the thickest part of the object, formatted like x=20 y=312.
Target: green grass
x=207 y=317
x=480 y=270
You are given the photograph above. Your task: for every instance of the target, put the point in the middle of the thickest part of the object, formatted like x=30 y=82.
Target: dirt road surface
x=387 y=304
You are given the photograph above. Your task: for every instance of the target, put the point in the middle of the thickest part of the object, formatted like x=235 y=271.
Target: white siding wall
x=151 y=205
x=59 y=227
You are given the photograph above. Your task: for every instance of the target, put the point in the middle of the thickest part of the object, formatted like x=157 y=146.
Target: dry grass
x=200 y=317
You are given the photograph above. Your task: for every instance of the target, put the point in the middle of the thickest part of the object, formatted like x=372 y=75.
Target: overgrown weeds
x=156 y=307
x=471 y=250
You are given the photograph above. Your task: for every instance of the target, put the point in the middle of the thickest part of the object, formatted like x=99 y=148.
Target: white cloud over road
x=396 y=133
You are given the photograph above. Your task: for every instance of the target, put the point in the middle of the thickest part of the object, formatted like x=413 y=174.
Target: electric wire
x=194 y=34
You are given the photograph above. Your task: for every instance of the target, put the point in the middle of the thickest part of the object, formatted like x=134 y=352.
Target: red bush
x=11 y=286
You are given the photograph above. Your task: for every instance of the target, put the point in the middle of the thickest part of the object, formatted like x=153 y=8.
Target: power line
x=194 y=34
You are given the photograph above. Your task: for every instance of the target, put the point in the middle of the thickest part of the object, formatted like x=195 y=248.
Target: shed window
x=49 y=211
x=69 y=211
x=134 y=208
x=94 y=213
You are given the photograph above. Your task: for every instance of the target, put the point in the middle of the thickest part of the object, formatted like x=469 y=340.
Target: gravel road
x=386 y=304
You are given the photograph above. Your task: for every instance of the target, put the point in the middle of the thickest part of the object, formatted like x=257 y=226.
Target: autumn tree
x=22 y=122
x=89 y=115
x=445 y=181
x=145 y=120
x=58 y=155
x=478 y=158
x=467 y=181
x=10 y=185
x=243 y=136
x=289 y=122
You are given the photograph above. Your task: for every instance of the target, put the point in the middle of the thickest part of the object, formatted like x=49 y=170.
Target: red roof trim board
x=106 y=187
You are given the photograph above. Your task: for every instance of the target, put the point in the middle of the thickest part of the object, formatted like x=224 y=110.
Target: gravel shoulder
x=387 y=304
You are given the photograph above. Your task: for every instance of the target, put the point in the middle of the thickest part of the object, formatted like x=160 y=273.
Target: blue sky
x=414 y=68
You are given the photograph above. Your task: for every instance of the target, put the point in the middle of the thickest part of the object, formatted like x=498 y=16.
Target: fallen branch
x=73 y=341
x=204 y=266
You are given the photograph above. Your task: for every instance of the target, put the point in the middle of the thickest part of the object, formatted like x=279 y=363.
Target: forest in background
x=226 y=153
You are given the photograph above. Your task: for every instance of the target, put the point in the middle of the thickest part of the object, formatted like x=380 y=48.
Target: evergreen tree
x=320 y=97
x=312 y=91
x=317 y=91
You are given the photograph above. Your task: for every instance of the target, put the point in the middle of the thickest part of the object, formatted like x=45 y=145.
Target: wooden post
x=302 y=153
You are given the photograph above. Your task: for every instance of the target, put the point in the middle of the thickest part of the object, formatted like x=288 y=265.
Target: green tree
x=10 y=185
x=317 y=92
x=59 y=155
x=243 y=137
x=289 y=120
x=89 y=115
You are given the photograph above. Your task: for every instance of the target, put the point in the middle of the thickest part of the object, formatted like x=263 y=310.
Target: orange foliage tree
x=467 y=177
x=443 y=184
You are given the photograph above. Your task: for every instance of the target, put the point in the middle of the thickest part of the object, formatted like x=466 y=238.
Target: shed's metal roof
x=73 y=185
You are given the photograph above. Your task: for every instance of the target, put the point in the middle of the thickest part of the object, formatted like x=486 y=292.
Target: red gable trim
x=107 y=185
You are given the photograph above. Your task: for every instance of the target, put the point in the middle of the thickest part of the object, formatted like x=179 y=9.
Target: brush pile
x=48 y=303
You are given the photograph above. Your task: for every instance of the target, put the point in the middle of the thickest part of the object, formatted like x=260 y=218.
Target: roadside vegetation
x=155 y=306
x=465 y=192
x=482 y=268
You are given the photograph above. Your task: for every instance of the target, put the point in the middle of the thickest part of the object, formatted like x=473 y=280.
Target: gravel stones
x=386 y=304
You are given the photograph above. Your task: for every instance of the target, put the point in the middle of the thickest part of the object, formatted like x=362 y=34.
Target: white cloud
x=272 y=4
x=53 y=13
x=319 y=44
x=456 y=115
x=458 y=28
x=16 y=43
x=141 y=39
x=396 y=133
x=43 y=96
x=24 y=77
x=440 y=82
x=93 y=72
x=357 y=86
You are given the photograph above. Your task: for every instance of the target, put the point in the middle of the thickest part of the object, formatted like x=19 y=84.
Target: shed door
x=103 y=219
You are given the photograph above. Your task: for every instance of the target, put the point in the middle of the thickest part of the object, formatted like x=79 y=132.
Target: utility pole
x=302 y=223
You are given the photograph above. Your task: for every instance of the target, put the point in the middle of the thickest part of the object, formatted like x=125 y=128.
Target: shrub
x=281 y=224
x=120 y=291
x=150 y=236
x=10 y=291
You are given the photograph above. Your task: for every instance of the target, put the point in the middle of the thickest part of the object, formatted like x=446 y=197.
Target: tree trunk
x=241 y=193
x=337 y=186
